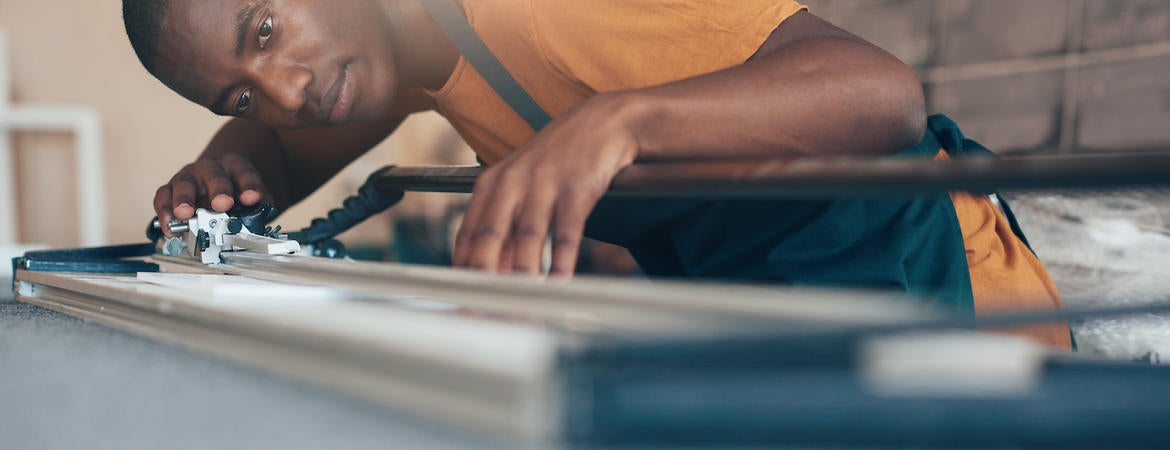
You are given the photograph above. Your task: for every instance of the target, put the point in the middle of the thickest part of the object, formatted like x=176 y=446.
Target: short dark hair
x=144 y=22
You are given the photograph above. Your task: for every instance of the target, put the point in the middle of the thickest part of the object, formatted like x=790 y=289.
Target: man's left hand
x=548 y=186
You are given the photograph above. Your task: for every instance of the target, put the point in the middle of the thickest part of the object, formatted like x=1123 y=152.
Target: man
x=314 y=84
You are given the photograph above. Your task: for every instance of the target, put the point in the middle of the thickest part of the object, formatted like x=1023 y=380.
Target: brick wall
x=1035 y=76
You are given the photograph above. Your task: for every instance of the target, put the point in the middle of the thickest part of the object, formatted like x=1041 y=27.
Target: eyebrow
x=244 y=20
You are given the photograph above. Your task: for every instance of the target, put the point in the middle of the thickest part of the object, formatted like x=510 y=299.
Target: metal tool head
x=207 y=235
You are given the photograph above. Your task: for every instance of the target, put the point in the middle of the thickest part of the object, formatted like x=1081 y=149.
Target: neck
x=423 y=55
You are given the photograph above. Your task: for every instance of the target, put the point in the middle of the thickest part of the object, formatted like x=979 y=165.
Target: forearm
x=822 y=97
x=294 y=164
x=811 y=89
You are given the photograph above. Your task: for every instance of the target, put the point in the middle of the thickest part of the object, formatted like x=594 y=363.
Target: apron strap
x=458 y=30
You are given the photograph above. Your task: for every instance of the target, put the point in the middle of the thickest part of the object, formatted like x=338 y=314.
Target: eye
x=265 y=32
x=244 y=101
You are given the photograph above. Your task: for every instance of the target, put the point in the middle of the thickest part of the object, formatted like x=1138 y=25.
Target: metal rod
x=812 y=178
x=176 y=226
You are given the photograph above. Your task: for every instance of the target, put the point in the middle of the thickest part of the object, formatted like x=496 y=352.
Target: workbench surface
x=67 y=384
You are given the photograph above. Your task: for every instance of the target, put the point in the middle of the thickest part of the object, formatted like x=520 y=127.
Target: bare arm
x=249 y=163
x=811 y=89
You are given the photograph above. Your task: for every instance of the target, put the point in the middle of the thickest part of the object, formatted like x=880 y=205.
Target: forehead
x=196 y=46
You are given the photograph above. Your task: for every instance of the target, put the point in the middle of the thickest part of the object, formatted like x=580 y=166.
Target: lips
x=338 y=101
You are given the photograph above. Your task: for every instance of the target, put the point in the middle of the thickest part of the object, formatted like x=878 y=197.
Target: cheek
x=269 y=114
x=275 y=121
x=336 y=32
x=333 y=33
x=365 y=38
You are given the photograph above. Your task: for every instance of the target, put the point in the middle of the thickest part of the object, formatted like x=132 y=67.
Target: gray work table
x=69 y=384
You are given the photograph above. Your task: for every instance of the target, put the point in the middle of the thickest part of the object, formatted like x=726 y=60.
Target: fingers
x=531 y=231
x=463 y=238
x=507 y=253
x=184 y=187
x=247 y=179
x=572 y=211
x=214 y=179
x=488 y=223
x=210 y=183
x=163 y=209
x=507 y=225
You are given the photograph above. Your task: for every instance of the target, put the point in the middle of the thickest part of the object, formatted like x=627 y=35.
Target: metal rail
x=811 y=178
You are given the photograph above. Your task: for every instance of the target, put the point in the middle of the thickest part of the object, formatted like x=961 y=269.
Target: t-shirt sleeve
x=612 y=45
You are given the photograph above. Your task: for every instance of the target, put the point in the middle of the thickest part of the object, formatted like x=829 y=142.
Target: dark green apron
x=910 y=243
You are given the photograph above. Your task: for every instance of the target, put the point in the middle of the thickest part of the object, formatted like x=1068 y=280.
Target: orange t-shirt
x=564 y=51
x=1005 y=275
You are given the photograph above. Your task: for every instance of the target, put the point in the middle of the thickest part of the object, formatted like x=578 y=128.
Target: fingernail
x=250 y=196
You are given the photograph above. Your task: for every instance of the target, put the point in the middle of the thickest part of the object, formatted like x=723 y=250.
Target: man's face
x=283 y=63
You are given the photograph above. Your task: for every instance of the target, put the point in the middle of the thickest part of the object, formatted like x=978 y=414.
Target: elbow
x=907 y=127
x=887 y=105
x=905 y=110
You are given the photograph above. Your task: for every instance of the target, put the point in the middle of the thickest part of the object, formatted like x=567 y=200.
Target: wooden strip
x=1035 y=64
x=1158 y=230
x=465 y=378
x=586 y=302
x=490 y=364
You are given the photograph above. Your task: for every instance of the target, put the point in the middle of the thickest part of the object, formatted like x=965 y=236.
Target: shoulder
x=628 y=44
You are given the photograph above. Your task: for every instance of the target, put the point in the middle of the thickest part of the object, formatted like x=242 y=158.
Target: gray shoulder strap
x=454 y=24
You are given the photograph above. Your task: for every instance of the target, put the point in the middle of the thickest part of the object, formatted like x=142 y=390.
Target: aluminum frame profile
x=446 y=383
x=472 y=350
x=538 y=363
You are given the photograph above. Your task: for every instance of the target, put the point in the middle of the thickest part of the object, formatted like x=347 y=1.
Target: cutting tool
x=208 y=234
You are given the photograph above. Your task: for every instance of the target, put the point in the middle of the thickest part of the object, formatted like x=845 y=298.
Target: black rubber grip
x=369 y=201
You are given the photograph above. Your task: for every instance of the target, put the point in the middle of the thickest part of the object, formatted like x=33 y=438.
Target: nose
x=285 y=83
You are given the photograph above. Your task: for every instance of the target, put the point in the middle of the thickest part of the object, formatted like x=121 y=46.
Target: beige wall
x=74 y=52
